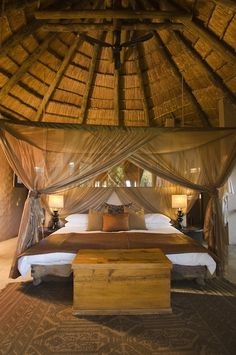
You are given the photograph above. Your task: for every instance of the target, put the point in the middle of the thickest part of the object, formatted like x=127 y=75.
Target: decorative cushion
x=95 y=220
x=116 y=209
x=79 y=220
x=115 y=222
x=136 y=219
x=156 y=220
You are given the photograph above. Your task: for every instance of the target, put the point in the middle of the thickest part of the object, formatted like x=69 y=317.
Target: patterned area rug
x=39 y=321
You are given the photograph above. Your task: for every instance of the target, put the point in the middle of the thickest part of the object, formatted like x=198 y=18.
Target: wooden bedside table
x=195 y=233
x=46 y=232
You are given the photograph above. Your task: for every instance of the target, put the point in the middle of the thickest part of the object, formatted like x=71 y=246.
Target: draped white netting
x=197 y=159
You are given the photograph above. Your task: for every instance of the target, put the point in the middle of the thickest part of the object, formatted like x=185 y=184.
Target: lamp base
x=180 y=218
x=55 y=220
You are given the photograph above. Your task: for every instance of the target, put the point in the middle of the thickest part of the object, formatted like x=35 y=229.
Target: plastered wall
x=232 y=211
x=11 y=201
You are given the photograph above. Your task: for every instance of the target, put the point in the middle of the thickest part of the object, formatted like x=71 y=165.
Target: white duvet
x=193 y=259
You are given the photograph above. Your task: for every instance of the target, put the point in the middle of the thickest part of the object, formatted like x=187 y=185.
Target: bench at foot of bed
x=198 y=273
x=49 y=272
x=179 y=272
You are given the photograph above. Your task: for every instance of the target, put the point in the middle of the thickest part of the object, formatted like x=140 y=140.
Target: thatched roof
x=50 y=72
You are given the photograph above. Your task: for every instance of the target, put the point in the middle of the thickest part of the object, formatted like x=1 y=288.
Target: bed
x=54 y=254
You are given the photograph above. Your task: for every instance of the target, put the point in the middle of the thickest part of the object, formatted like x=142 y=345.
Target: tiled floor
x=7 y=249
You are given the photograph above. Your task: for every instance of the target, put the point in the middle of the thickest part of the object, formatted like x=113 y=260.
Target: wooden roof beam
x=92 y=68
x=33 y=57
x=22 y=4
x=217 y=44
x=111 y=14
x=213 y=40
x=83 y=27
x=167 y=55
x=18 y=36
x=228 y=3
x=11 y=115
x=214 y=77
x=142 y=87
x=140 y=74
x=89 y=82
x=68 y=57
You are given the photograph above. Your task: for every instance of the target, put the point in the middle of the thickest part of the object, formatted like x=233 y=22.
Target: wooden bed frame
x=56 y=272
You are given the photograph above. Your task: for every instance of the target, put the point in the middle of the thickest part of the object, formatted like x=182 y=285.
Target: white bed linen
x=191 y=259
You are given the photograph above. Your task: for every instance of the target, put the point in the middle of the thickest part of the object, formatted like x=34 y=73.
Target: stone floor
x=230 y=273
x=7 y=249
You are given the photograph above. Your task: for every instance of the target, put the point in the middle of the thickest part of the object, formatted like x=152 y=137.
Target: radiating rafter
x=142 y=87
x=67 y=59
x=117 y=115
x=212 y=40
x=125 y=36
x=89 y=82
x=228 y=3
x=167 y=55
x=18 y=36
x=7 y=113
x=204 y=33
x=140 y=75
x=33 y=57
x=213 y=76
x=21 y=4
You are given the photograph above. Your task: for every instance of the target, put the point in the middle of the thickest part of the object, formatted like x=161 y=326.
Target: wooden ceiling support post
x=68 y=57
x=142 y=87
x=33 y=57
x=89 y=82
x=167 y=55
x=18 y=36
x=214 y=77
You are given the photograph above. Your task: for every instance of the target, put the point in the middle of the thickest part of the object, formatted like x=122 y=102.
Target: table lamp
x=55 y=202
x=179 y=202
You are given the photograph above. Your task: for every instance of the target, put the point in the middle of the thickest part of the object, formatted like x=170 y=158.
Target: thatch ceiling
x=50 y=73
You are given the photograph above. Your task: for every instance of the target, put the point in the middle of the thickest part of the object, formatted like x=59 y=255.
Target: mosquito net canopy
x=55 y=159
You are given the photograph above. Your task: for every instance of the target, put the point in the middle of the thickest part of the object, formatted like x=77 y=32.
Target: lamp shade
x=179 y=201
x=56 y=201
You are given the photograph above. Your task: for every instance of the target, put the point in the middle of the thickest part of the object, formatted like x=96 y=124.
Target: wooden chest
x=125 y=281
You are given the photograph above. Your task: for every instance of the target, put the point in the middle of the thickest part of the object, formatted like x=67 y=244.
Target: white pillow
x=79 y=220
x=156 y=220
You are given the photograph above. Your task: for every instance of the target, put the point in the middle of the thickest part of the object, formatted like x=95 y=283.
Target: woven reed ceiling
x=49 y=72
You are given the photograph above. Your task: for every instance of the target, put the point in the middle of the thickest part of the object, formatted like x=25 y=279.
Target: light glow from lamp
x=127 y=183
x=179 y=201
x=56 y=201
